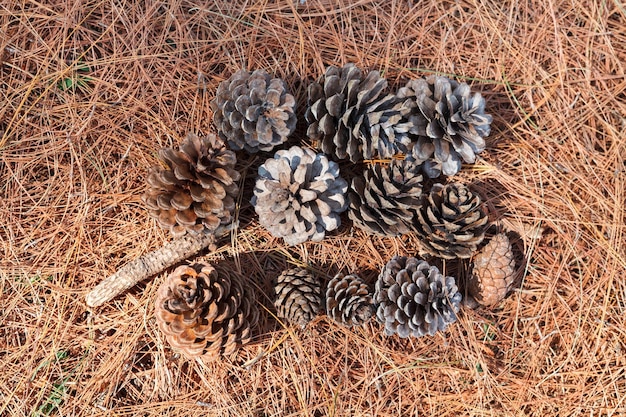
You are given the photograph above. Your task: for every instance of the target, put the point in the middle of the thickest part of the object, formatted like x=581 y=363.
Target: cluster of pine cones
x=425 y=129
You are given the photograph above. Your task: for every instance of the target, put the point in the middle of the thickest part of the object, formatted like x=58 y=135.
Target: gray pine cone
x=205 y=312
x=385 y=199
x=254 y=111
x=452 y=123
x=451 y=223
x=348 y=300
x=298 y=296
x=198 y=189
x=348 y=120
x=414 y=298
x=299 y=195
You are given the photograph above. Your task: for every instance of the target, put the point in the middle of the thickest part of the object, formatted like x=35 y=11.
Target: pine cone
x=385 y=199
x=349 y=120
x=205 y=312
x=198 y=189
x=451 y=223
x=254 y=111
x=348 y=300
x=453 y=126
x=493 y=272
x=298 y=296
x=299 y=195
x=414 y=298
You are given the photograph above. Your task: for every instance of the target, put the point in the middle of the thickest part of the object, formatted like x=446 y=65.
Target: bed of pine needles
x=90 y=90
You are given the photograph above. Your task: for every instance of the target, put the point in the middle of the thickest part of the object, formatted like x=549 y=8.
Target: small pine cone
x=493 y=272
x=205 y=312
x=348 y=120
x=298 y=296
x=348 y=300
x=299 y=195
x=385 y=199
x=451 y=223
x=197 y=191
x=254 y=111
x=451 y=126
x=414 y=298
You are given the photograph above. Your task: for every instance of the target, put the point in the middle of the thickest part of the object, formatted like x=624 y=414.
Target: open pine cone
x=198 y=189
x=254 y=111
x=348 y=300
x=414 y=298
x=385 y=199
x=205 y=312
x=451 y=223
x=298 y=296
x=493 y=272
x=349 y=120
x=299 y=195
x=453 y=126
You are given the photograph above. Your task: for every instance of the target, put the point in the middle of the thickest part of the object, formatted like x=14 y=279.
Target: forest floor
x=91 y=90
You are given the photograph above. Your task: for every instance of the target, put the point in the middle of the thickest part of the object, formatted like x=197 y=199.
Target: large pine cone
x=385 y=199
x=254 y=111
x=298 y=296
x=414 y=298
x=451 y=223
x=205 y=312
x=198 y=189
x=453 y=126
x=348 y=119
x=493 y=272
x=348 y=300
x=299 y=195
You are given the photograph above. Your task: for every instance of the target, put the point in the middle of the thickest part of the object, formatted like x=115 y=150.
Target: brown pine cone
x=298 y=296
x=348 y=300
x=451 y=223
x=205 y=312
x=254 y=111
x=197 y=191
x=384 y=200
x=493 y=272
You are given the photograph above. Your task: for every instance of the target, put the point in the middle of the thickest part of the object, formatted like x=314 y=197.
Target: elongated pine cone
x=349 y=119
x=298 y=296
x=205 y=312
x=493 y=272
x=254 y=111
x=299 y=195
x=385 y=199
x=414 y=298
x=197 y=190
x=348 y=300
x=451 y=223
x=453 y=126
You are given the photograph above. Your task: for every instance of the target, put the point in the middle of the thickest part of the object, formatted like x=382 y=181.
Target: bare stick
x=152 y=263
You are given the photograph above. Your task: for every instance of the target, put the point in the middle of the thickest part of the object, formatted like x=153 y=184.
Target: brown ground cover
x=90 y=90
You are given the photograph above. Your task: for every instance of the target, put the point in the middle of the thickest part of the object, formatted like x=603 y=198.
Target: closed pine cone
x=493 y=272
x=299 y=195
x=348 y=300
x=298 y=296
x=197 y=190
x=451 y=223
x=254 y=111
x=414 y=298
x=349 y=120
x=205 y=312
x=452 y=123
x=385 y=199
